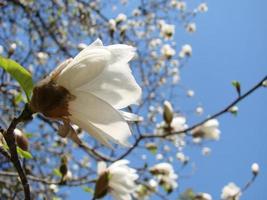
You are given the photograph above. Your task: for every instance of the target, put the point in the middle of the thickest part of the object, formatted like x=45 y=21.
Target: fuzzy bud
x=264 y=83
x=21 y=140
x=233 y=110
x=101 y=186
x=167 y=112
x=255 y=168
x=12 y=49
x=63 y=168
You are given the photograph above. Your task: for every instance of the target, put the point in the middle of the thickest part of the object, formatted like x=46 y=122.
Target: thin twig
x=216 y=115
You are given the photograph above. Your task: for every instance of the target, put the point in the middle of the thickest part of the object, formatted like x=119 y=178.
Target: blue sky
x=230 y=44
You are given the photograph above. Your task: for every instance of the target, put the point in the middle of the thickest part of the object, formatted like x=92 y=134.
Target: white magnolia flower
x=190 y=93
x=53 y=188
x=179 y=123
x=112 y=24
x=182 y=157
x=166 y=175
x=90 y=90
x=185 y=51
x=155 y=42
x=231 y=192
x=203 y=7
x=167 y=51
x=206 y=151
x=42 y=57
x=143 y=191
x=181 y=5
x=199 y=110
x=118 y=179
x=203 y=196
x=191 y=27
x=121 y=18
x=166 y=30
x=208 y=130
x=136 y=12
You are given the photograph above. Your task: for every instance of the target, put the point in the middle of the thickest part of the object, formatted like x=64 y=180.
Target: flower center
x=51 y=100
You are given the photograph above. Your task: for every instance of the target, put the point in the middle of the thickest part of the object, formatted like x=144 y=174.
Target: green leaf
x=187 y=195
x=237 y=86
x=19 y=98
x=24 y=154
x=152 y=148
x=5 y=146
x=88 y=189
x=19 y=73
x=29 y=135
x=57 y=172
x=56 y=198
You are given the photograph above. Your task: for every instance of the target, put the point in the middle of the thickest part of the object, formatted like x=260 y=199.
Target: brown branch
x=11 y=142
x=97 y=155
x=246 y=186
x=217 y=114
x=72 y=182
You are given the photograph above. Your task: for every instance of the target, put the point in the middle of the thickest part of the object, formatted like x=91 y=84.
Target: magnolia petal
x=130 y=116
x=96 y=43
x=116 y=85
x=211 y=123
x=54 y=74
x=118 y=196
x=119 y=163
x=119 y=187
x=84 y=69
x=101 y=167
x=121 y=52
x=101 y=115
x=96 y=133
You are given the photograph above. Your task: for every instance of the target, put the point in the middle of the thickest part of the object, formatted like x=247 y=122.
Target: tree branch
x=217 y=114
x=11 y=142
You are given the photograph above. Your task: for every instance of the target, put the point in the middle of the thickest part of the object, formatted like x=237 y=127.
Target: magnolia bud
x=190 y=93
x=168 y=112
x=12 y=48
x=233 y=110
x=255 y=168
x=199 y=110
x=21 y=140
x=264 y=83
x=63 y=168
x=101 y=186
